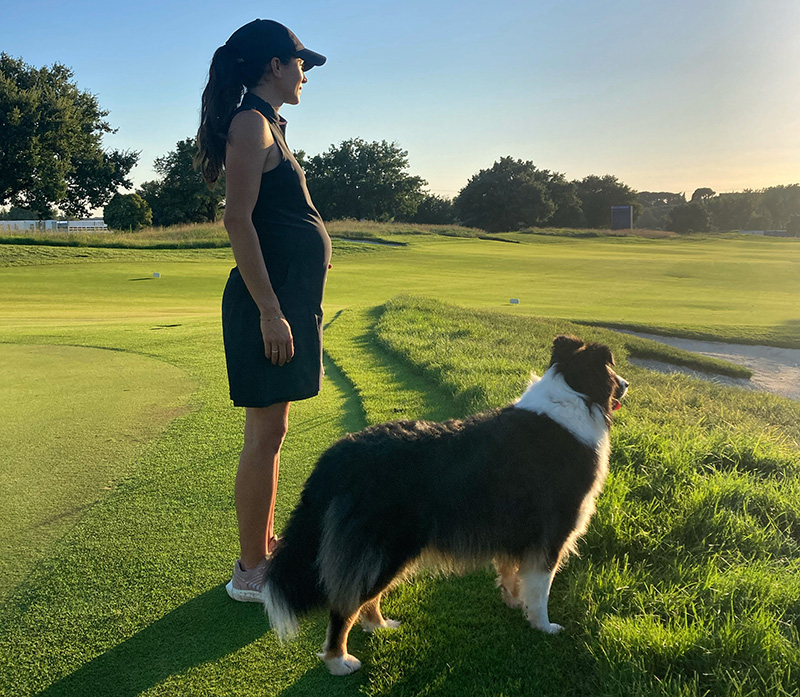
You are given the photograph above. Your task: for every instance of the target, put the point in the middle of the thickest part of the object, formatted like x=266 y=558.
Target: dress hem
x=271 y=402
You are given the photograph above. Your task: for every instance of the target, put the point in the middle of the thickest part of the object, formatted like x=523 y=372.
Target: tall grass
x=689 y=579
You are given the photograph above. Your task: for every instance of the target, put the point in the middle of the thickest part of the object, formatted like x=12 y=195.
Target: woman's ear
x=276 y=66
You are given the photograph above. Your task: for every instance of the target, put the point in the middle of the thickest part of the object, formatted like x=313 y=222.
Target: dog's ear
x=602 y=352
x=563 y=347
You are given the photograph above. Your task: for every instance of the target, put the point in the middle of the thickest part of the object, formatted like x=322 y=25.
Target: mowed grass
x=688 y=580
x=734 y=288
x=74 y=421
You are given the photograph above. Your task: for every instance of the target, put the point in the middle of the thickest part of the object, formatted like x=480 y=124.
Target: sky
x=666 y=96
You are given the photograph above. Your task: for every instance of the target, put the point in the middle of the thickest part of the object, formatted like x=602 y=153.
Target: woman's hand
x=278 y=341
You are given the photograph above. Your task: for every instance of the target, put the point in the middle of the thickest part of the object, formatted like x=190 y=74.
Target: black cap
x=264 y=39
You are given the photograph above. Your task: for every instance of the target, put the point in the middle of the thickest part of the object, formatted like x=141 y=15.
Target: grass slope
x=689 y=580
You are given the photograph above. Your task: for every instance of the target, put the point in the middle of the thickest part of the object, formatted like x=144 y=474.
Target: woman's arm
x=250 y=145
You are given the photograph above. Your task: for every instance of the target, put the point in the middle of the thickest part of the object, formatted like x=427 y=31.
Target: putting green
x=73 y=421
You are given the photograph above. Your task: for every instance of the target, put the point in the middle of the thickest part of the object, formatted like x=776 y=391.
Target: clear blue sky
x=664 y=95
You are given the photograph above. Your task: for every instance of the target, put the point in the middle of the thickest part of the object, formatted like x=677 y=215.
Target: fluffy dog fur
x=515 y=485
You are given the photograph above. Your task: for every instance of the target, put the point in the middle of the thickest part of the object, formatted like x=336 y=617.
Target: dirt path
x=775 y=370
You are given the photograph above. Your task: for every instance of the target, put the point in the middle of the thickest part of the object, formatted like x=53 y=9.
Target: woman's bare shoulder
x=250 y=129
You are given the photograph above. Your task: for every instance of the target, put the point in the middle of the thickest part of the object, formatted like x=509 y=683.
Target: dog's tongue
x=616 y=404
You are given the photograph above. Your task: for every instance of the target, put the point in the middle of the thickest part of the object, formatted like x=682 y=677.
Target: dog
x=515 y=485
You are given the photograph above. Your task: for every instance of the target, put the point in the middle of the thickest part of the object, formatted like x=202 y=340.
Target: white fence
x=90 y=225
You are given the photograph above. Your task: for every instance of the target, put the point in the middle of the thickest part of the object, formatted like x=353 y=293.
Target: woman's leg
x=257 y=479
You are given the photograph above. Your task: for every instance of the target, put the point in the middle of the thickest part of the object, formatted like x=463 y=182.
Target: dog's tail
x=291 y=584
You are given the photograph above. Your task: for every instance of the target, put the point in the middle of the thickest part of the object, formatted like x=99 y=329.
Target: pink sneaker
x=245 y=586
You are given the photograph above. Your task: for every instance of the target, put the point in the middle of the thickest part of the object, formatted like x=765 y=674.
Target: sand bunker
x=775 y=370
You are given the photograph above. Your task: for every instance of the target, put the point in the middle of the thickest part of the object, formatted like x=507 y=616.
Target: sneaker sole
x=243 y=596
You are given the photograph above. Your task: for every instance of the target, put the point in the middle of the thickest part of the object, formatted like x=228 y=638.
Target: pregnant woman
x=272 y=304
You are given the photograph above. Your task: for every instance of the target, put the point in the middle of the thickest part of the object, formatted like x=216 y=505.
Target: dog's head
x=589 y=370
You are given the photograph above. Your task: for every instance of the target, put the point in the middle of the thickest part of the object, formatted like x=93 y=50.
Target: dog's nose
x=623 y=384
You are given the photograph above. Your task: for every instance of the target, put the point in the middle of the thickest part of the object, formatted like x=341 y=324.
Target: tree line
x=773 y=208
x=51 y=157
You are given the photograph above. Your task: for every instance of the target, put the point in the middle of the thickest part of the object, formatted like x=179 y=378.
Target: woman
x=271 y=307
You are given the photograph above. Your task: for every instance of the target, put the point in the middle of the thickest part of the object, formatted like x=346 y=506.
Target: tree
x=569 y=212
x=510 y=195
x=51 y=150
x=650 y=199
x=703 y=194
x=434 y=210
x=127 y=212
x=781 y=202
x=598 y=194
x=181 y=194
x=733 y=211
x=367 y=181
x=793 y=225
x=690 y=217
x=17 y=213
x=656 y=206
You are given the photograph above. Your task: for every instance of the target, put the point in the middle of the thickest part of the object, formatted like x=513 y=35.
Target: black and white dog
x=515 y=485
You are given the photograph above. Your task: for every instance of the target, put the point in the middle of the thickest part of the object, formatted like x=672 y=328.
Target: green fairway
x=688 y=581
x=736 y=288
x=74 y=422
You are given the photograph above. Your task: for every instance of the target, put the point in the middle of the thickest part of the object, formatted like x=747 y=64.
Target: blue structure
x=621 y=217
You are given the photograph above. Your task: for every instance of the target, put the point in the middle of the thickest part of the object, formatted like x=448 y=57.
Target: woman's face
x=292 y=79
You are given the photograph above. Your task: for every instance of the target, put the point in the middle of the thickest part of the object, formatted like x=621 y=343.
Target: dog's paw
x=341 y=665
x=370 y=627
x=549 y=628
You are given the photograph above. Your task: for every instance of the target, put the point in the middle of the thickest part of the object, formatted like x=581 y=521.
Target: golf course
x=118 y=450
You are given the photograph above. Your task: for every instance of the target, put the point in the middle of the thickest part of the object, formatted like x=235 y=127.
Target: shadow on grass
x=457 y=638
x=203 y=629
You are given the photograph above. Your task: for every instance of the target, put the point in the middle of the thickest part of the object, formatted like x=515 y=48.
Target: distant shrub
x=127 y=212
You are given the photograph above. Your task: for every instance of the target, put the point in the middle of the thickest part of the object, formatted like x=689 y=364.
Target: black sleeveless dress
x=297 y=251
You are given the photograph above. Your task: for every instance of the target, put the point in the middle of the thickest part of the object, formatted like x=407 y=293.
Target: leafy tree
x=127 y=212
x=51 y=150
x=367 y=181
x=760 y=219
x=510 y=195
x=656 y=206
x=17 y=213
x=703 y=194
x=733 y=211
x=793 y=225
x=690 y=217
x=569 y=212
x=598 y=194
x=181 y=195
x=781 y=202
x=434 y=210
x=650 y=199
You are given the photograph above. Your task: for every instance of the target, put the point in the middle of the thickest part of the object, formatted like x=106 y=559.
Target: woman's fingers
x=290 y=348
x=274 y=353
x=278 y=342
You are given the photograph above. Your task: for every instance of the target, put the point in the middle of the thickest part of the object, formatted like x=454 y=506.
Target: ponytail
x=220 y=99
x=228 y=77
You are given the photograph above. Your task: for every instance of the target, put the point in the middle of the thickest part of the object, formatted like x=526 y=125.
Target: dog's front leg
x=536 y=575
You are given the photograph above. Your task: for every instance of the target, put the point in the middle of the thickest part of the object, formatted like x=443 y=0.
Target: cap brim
x=310 y=58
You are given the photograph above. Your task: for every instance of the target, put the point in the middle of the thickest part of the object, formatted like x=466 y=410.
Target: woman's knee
x=266 y=428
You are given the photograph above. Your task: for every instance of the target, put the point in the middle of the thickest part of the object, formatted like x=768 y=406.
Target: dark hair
x=234 y=68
